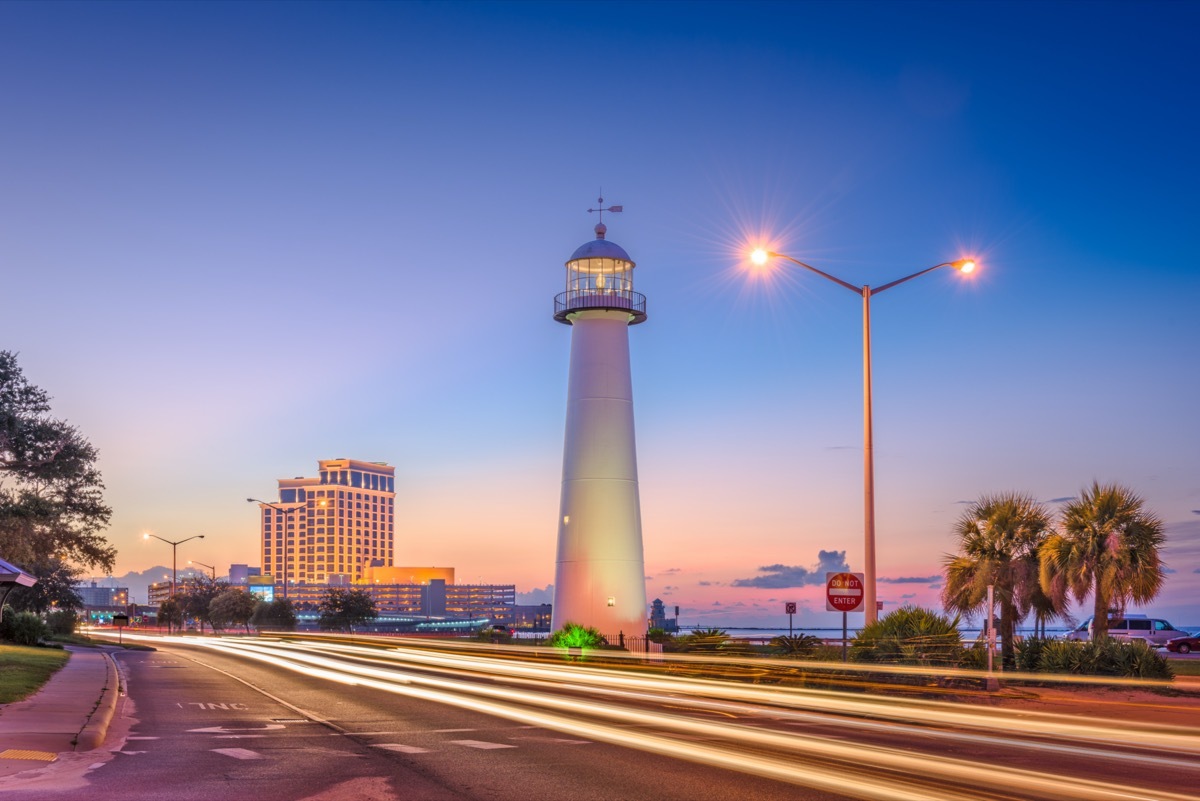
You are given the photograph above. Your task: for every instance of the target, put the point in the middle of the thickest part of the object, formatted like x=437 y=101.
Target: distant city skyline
x=240 y=237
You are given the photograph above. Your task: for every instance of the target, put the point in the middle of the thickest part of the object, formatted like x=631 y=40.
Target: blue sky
x=238 y=238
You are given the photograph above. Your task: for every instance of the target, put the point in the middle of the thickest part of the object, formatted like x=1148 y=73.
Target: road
x=218 y=718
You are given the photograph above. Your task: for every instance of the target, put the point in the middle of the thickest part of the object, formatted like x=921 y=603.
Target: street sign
x=843 y=591
x=789 y=608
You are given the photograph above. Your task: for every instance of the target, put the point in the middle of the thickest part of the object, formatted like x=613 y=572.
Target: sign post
x=790 y=608
x=120 y=621
x=843 y=593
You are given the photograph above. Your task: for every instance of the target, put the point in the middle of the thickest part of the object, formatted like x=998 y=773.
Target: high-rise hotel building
x=329 y=530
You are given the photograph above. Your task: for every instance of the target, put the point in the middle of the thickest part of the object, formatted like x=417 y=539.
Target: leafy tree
x=196 y=595
x=998 y=541
x=55 y=586
x=170 y=612
x=51 y=493
x=343 y=609
x=233 y=606
x=278 y=614
x=1108 y=547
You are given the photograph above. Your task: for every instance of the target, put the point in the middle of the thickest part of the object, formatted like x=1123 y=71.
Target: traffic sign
x=789 y=608
x=843 y=591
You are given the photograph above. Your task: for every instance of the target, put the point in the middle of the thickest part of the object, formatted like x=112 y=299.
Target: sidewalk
x=70 y=713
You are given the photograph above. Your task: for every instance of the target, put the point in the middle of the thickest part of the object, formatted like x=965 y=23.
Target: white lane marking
x=141 y=738
x=239 y=736
x=238 y=753
x=481 y=744
x=449 y=731
x=132 y=753
x=571 y=742
x=224 y=730
x=404 y=749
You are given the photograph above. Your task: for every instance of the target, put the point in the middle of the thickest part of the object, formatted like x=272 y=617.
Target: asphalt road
x=253 y=719
x=195 y=732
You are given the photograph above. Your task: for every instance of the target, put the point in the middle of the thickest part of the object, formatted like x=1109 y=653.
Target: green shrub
x=803 y=645
x=705 y=640
x=22 y=628
x=1029 y=653
x=975 y=657
x=659 y=635
x=910 y=636
x=1106 y=657
x=62 y=622
x=573 y=635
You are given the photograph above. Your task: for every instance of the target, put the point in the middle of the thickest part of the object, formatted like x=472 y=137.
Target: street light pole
x=963 y=266
x=287 y=515
x=210 y=567
x=174 y=545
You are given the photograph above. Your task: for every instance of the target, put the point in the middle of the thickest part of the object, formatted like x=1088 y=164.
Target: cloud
x=1061 y=500
x=781 y=576
x=908 y=595
x=910 y=580
x=670 y=570
x=1169 y=570
x=1197 y=570
x=1196 y=511
x=704 y=583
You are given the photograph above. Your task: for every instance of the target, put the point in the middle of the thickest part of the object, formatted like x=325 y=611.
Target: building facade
x=329 y=529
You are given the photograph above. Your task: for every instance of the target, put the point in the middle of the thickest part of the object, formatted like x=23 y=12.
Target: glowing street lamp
x=761 y=257
x=174 y=544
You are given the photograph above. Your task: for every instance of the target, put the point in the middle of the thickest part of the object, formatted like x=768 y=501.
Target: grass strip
x=24 y=670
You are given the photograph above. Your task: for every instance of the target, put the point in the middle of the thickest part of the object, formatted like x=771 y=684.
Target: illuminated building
x=599 y=579
x=328 y=530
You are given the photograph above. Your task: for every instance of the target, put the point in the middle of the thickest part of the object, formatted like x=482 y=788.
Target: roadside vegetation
x=24 y=670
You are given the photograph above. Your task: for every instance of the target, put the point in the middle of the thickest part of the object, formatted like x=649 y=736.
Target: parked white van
x=1153 y=631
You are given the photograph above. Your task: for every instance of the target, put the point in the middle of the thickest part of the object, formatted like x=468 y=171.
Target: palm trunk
x=1008 y=626
x=1099 y=615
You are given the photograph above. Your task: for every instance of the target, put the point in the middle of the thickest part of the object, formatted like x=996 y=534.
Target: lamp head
x=145 y=536
x=964 y=265
x=759 y=256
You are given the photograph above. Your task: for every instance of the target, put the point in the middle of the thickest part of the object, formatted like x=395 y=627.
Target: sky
x=237 y=238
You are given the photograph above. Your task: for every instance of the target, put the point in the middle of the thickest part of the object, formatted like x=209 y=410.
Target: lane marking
x=238 y=753
x=141 y=738
x=480 y=744
x=404 y=749
x=450 y=731
x=227 y=730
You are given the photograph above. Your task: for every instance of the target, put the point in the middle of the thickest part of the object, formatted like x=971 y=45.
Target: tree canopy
x=999 y=537
x=342 y=609
x=52 y=509
x=1109 y=547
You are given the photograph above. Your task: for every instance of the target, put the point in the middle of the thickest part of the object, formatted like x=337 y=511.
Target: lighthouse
x=600 y=577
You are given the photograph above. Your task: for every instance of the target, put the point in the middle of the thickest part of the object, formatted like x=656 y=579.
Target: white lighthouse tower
x=600 y=577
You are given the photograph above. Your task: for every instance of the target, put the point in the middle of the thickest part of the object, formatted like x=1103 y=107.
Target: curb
x=94 y=731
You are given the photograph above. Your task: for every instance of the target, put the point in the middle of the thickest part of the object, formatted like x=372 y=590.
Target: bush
x=1029 y=653
x=62 y=622
x=573 y=635
x=705 y=640
x=910 y=636
x=659 y=636
x=803 y=645
x=22 y=628
x=1106 y=657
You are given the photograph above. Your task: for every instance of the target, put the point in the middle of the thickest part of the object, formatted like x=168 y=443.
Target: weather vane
x=601 y=210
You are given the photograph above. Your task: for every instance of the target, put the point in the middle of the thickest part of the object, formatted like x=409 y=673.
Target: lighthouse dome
x=600 y=249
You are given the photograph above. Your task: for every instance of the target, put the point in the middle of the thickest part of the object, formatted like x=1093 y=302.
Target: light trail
x=537 y=694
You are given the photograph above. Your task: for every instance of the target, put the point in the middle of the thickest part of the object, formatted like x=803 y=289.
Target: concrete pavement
x=71 y=712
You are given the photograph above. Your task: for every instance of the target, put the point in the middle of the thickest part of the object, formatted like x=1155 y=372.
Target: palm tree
x=1109 y=547
x=999 y=536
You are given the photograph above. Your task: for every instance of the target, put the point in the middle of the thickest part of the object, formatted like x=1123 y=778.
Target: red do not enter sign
x=843 y=591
